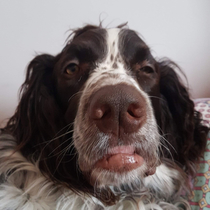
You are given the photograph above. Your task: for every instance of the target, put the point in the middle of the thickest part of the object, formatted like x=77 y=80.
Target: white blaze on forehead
x=106 y=73
x=112 y=41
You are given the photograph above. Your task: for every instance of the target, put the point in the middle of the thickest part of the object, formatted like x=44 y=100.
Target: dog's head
x=105 y=112
x=115 y=131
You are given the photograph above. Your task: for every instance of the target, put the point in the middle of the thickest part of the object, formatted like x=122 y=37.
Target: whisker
x=59 y=146
x=57 y=165
x=57 y=137
x=157 y=97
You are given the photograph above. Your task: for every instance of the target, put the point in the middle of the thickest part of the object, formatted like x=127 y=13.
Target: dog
x=101 y=125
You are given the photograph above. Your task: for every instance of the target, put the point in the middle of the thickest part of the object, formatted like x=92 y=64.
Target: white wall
x=178 y=29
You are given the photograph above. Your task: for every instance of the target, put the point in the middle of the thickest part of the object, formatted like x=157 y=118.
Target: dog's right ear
x=180 y=121
x=35 y=119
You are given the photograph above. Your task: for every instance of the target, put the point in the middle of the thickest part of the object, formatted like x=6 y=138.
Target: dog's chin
x=121 y=165
x=102 y=178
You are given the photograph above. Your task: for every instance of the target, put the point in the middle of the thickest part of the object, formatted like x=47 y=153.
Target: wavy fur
x=39 y=160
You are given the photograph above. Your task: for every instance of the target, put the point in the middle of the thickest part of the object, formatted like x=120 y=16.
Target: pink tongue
x=120 y=162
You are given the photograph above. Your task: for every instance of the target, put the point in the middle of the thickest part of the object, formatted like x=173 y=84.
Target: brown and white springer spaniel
x=101 y=125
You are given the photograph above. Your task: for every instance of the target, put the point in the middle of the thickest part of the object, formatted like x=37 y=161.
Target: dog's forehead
x=112 y=36
x=118 y=38
x=127 y=44
x=112 y=69
x=98 y=43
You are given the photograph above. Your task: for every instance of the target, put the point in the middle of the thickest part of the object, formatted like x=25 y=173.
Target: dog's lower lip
x=120 y=159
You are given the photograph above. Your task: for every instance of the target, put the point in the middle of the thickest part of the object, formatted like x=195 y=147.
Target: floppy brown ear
x=41 y=132
x=34 y=120
x=180 y=123
x=38 y=118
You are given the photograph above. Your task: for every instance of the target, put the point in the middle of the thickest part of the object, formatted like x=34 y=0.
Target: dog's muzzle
x=118 y=110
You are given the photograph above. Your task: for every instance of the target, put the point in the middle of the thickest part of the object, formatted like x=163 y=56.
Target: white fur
x=25 y=188
x=102 y=76
x=105 y=68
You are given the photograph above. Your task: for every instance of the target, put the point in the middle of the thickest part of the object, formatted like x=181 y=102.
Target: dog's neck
x=23 y=183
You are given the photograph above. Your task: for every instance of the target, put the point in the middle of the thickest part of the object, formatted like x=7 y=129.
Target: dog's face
x=104 y=112
x=104 y=81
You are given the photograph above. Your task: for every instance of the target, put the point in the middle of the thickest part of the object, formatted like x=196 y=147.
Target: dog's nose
x=118 y=109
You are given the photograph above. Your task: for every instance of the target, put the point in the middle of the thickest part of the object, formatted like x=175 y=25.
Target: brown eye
x=71 y=69
x=147 y=69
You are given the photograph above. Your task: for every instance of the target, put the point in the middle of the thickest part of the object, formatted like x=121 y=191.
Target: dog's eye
x=147 y=69
x=71 y=69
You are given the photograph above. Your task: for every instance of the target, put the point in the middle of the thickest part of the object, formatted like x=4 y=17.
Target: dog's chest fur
x=23 y=187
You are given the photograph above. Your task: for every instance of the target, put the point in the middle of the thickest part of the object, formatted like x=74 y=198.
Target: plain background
x=177 y=29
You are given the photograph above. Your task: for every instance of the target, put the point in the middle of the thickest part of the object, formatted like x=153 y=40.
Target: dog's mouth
x=120 y=159
x=116 y=164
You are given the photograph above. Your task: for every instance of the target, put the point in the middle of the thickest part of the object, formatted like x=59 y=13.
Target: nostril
x=134 y=110
x=133 y=118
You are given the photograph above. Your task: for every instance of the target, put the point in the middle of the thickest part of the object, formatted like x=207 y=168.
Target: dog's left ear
x=180 y=123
